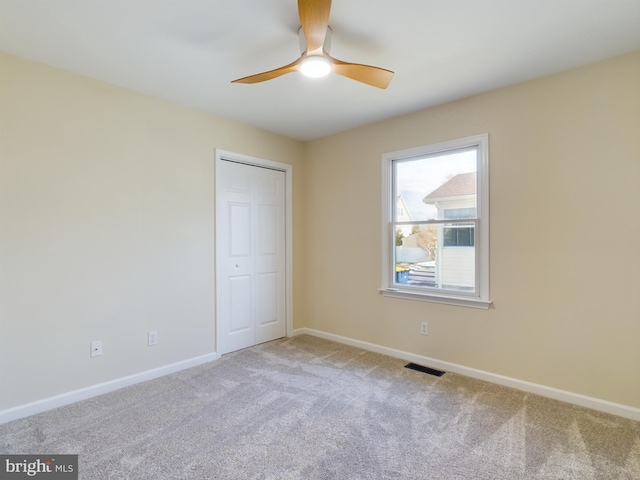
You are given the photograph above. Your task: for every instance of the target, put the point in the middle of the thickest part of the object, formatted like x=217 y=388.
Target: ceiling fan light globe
x=315 y=66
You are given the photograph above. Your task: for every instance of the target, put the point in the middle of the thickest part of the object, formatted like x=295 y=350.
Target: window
x=458 y=213
x=458 y=236
x=437 y=249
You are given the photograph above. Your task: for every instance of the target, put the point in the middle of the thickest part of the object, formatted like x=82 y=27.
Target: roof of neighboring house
x=407 y=213
x=456 y=186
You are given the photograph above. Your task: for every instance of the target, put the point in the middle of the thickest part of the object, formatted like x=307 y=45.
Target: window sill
x=426 y=297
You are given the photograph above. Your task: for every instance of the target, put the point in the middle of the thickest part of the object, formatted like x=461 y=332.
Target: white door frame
x=222 y=155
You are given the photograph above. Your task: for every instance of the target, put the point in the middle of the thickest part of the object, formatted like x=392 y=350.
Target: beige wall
x=565 y=249
x=107 y=228
x=106 y=231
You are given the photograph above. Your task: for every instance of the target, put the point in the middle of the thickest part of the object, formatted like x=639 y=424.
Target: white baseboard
x=67 y=398
x=50 y=403
x=606 y=406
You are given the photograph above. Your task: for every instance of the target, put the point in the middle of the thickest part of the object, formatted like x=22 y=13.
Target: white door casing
x=253 y=301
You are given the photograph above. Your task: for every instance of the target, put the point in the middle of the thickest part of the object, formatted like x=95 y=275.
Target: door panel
x=251 y=292
x=239 y=229
x=268 y=230
x=240 y=315
x=267 y=299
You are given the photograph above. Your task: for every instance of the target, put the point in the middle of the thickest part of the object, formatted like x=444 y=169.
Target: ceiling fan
x=315 y=60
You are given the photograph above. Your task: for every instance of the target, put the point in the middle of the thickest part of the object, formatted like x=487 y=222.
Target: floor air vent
x=420 y=368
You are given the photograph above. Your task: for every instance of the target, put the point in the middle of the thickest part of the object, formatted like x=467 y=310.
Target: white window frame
x=477 y=299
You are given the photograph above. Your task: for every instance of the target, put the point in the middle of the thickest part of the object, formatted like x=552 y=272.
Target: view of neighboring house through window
x=436 y=221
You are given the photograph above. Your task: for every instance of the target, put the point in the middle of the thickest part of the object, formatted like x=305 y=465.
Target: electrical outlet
x=96 y=348
x=153 y=338
x=424 y=328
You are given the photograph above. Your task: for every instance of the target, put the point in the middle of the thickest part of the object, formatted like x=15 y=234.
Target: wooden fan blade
x=271 y=74
x=314 y=19
x=374 y=76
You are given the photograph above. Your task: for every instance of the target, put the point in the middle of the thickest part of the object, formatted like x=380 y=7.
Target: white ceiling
x=188 y=51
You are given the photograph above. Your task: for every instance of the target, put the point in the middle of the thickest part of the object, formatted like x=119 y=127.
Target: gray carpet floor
x=307 y=408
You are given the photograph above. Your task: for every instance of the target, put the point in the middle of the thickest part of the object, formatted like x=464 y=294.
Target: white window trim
x=480 y=299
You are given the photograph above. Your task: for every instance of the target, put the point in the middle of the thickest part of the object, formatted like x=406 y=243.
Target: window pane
x=428 y=187
x=415 y=255
x=420 y=262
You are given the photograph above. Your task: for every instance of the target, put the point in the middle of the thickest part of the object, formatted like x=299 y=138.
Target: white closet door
x=251 y=293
